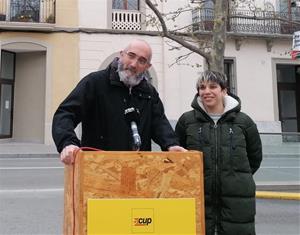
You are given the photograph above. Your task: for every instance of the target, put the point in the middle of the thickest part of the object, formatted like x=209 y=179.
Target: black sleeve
x=69 y=115
x=180 y=131
x=162 y=131
x=254 y=147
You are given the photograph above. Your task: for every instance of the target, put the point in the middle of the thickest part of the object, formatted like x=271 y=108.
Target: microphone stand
x=132 y=117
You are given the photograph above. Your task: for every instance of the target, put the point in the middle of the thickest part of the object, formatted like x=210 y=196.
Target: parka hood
x=231 y=101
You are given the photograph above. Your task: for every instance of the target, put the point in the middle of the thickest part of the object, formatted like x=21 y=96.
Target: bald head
x=134 y=61
x=140 y=45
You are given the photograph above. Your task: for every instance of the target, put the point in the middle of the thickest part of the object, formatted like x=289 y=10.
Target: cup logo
x=142 y=220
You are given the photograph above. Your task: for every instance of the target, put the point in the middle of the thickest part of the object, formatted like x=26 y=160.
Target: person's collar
x=229 y=103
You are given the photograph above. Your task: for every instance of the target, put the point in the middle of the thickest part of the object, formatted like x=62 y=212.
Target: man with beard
x=107 y=101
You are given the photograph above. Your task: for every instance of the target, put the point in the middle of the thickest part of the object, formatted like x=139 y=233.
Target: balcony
x=240 y=21
x=126 y=19
x=33 y=11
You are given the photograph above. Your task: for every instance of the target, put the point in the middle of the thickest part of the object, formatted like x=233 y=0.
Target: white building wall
x=182 y=20
x=256 y=78
x=179 y=81
x=255 y=82
x=95 y=13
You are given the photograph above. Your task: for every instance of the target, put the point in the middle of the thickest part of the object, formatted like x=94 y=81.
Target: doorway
x=288 y=87
x=7 y=80
x=22 y=96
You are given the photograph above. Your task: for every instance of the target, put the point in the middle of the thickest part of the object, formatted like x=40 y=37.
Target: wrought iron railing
x=34 y=11
x=126 y=19
x=241 y=21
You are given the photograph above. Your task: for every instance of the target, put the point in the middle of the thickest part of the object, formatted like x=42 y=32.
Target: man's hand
x=177 y=148
x=67 y=155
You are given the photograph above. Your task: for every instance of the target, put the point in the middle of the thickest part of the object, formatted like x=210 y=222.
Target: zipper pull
x=200 y=135
x=200 y=130
x=232 y=145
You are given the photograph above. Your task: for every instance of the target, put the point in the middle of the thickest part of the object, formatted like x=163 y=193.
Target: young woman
x=232 y=152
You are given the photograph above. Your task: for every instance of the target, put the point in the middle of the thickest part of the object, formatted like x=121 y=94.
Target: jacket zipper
x=231 y=137
x=232 y=147
x=216 y=176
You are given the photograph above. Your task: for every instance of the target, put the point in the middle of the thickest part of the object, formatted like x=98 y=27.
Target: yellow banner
x=141 y=216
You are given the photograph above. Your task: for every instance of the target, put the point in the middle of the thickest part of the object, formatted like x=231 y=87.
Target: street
x=31 y=198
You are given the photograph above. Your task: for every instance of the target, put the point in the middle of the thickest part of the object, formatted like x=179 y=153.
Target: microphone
x=132 y=117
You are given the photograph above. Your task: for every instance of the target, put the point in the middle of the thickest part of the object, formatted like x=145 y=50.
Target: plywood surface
x=131 y=175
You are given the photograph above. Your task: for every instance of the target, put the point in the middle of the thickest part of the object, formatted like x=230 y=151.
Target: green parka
x=232 y=154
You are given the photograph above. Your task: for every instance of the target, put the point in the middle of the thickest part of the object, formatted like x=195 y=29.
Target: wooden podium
x=116 y=175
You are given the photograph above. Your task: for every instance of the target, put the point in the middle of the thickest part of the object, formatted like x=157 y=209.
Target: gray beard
x=129 y=81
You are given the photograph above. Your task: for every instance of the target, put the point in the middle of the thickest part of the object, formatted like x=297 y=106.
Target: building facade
x=69 y=39
x=35 y=65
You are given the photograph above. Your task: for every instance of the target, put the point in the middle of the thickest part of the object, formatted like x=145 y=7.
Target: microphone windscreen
x=131 y=115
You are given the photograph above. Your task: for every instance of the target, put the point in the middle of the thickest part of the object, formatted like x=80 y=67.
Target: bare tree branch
x=173 y=37
x=181 y=58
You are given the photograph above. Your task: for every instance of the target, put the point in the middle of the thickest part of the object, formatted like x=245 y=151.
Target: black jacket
x=232 y=154
x=98 y=102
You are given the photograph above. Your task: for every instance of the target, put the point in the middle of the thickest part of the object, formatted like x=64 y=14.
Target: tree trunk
x=219 y=36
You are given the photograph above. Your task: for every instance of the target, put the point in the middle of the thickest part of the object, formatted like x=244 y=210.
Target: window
x=289 y=11
x=126 y=4
x=126 y=15
x=229 y=70
x=25 y=10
